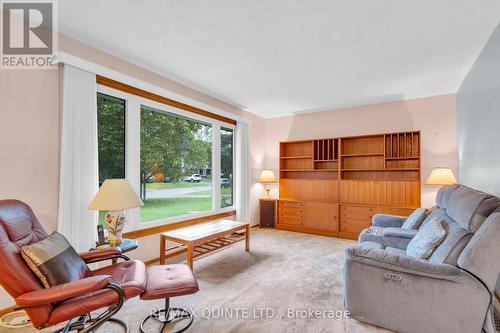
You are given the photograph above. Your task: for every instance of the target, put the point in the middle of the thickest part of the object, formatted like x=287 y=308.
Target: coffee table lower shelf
x=205 y=248
x=198 y=240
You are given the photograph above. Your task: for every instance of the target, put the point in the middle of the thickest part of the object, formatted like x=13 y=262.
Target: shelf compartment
x=325 y=149
x=392 y=169
x=331 y=165
x=296 y=164
x=381 y=175
x=405 y=144
x=362 y=155
x=402 y=164
x=363 y=145
x=309 y=170
x=295 y=157
x=297 y=148
x=402 y=158
x=309 y=175
x=363 y=162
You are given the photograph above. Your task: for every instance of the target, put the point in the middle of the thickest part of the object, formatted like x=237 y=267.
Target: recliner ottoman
x=166 y=281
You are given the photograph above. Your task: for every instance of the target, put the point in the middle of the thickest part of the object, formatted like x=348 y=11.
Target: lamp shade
x=115 y=194
x=267 y=176
x=441 y=176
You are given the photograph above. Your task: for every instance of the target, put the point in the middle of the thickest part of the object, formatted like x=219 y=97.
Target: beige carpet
x=286 y=274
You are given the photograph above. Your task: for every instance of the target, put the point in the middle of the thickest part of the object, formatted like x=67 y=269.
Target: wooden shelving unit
x=339 y=183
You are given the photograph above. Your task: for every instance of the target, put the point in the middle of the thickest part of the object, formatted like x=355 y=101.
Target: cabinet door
x=291 y=213
x=321 y=216
x=354 y=219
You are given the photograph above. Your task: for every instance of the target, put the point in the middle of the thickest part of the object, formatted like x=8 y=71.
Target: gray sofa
x=451 y=291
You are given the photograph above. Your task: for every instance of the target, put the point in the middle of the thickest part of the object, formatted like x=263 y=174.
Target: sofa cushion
x=485 y=209
x=426 y=239
x=469 y=207
x=444 y=194
x=415 y=219
x=455 y=241
x=54 y=261
x=434 y=212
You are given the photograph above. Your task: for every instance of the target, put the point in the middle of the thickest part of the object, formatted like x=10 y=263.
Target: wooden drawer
x=354 y=219
x=354 y=226
x=291 y=220
x=290 y=203
x=291 y=210
x=357 y=212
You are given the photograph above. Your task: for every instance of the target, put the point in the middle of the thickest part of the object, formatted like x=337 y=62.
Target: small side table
x=268 y=212
x=127 y=245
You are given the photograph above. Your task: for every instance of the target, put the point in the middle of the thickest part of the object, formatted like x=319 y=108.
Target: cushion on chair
x=426 y=240
x=415 y=219
x=434 y=212
x=444 y=194
x=167 y=281
x=54 y=260
x=469 y=207
x=455 y=241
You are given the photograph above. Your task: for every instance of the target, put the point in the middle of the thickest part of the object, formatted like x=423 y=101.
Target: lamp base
x=114 y=221
x=268 y=189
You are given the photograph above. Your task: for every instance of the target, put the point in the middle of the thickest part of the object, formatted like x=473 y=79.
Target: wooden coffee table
x=202 y=238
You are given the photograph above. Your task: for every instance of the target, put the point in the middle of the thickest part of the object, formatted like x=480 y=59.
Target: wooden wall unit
x=334 y=186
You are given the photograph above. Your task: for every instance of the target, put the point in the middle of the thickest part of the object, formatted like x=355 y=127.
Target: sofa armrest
x=104 y=254
x=384 y=220
x=400 y=232
x=63 y=291
x=401 y=263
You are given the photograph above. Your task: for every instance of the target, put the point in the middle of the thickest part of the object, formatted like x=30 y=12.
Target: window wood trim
x=157 y=98
x=184 y=223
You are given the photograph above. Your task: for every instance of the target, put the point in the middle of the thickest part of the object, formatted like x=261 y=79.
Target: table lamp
x=114 y=196
x=441 y=176
x=267 y=177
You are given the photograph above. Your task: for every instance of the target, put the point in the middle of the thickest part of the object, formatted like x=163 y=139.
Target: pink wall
x=434 y=116
x=29 y=143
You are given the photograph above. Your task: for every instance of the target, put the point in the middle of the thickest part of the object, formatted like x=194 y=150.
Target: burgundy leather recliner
x=106 y=287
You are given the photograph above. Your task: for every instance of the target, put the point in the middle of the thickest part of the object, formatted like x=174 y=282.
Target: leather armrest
x=401 y=263
x=99 y=254
x=63 y=291
x=384 y=220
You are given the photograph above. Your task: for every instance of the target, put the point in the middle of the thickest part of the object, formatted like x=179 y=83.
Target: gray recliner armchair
x=451 y=291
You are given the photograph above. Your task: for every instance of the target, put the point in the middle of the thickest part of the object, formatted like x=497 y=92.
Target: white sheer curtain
x=79 y=162
x=242 y=172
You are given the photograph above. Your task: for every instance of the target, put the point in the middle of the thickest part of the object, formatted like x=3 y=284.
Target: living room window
x=227 y=166
x=181 y=163
x=111 y=134
x=176 y=164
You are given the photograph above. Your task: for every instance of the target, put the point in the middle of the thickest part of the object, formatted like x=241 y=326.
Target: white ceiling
x=278 y=57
